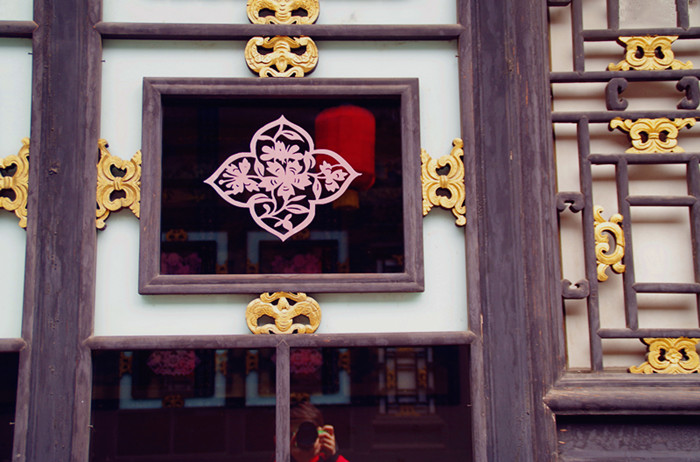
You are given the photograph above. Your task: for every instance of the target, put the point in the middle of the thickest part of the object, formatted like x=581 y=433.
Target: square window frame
x=151 y=281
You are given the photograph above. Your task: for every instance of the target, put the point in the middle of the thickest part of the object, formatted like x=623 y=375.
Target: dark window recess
x=396 y=403
x=389 y=403
x=360 y=232
x=8 y=397
x=185 y=405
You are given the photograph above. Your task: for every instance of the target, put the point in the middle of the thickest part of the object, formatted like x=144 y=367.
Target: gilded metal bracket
x=452 y=182
x=118 y=184
x=652 y=135
x=280 y=60
x=669 y=356
x=14 y=179
x=302 y=317
x=649 y=53
x=603 y=230
x=283 y=11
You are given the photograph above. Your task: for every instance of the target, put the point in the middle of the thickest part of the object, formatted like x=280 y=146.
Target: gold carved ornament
x=117 y=177
x=125 y=364
x=284 y=11
x=17 y=182
x=285 y=317
x=603 y=231
x=649 y=53
x=669 y=356
x=281 y=61
x=173 y=401
x=452 y=182
x=652 y=135
x=252 y=361
x=221 y=362
x=345 y=362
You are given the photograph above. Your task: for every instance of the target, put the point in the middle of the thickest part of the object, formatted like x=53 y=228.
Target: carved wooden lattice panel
x=625 y=105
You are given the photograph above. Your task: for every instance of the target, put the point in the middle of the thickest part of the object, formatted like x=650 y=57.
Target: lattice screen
x=627 y=146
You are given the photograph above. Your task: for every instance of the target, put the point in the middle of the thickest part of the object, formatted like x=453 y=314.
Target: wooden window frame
x=151 y=281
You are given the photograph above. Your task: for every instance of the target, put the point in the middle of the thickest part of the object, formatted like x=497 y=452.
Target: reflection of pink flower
x=173 y=362
x=305 y=361
x=303 y=263
x=283 y=188
x=174 y=263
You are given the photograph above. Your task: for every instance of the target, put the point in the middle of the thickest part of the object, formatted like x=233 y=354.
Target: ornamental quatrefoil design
x=283 y=178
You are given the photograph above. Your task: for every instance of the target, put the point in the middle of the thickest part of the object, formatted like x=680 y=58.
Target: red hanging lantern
x=350 y=131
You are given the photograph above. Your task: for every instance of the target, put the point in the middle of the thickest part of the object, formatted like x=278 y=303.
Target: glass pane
x=214 y=227
x=380 y=404
x=184 y=405
x=8 y=397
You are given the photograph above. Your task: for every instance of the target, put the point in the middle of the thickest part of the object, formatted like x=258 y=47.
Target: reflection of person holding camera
x=312 y=441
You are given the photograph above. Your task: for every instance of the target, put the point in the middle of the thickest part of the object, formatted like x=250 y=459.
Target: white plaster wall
x=15 y=97
x=661 y=236
x=16 y=10
x=234 y=11
x=120 y=310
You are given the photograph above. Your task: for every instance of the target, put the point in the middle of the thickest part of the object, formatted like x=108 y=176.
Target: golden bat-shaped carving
x=277 y=307
x=283 y=11
x=281 y=61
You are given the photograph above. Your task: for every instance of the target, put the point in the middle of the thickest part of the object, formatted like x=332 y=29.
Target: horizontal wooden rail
x=271 y=341
x=17 y=29
x=170 y=31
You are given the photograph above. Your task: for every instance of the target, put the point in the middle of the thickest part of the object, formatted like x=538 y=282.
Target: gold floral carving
x=669 y=356
x=17 y=182
x=117 y=176
x=649 y=53
x=284 y=314
x=603 y=231
x=451 y=182
x=652 y=135
x=281 y=61
x=284 y=11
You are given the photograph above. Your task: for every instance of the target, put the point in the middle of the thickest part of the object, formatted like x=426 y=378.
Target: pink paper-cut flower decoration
x=279 y=180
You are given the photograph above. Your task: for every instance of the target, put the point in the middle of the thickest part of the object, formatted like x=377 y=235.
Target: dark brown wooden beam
x=161 y=31
x=628 y=399
x=53 y=405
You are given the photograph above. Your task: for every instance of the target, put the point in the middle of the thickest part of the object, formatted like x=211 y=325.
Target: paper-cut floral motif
x=281 y=180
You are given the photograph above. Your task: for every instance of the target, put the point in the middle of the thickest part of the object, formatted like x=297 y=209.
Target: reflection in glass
x=384 y=404
x=184 y=405
x=8 y=397
x=280 y=221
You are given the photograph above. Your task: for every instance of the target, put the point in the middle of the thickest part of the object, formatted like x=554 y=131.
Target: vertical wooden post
x=520 y=352
x=53 y=407
x=282 y=430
